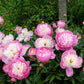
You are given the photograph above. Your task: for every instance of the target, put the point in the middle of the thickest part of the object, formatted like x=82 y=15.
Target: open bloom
x=61 y=24
x=44 y=29
x=1 y=20
x=43 y=54
x=18 y=30
x=11 y=51
x=24 y=35
x=45 y=42
x=69 y=61
x=19 y=69
x=1 y=36
x=66 y=40
x=7 y=39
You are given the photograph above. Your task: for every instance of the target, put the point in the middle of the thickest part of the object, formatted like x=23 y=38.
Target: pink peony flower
x=19 y=69
x=5 y=68
x=18 y=30
x=45 y=42
x=44 y=29
x=11 y=51
x=24 y=35
x=1 y=36
x=66 y=40
x=1 y=20
x=54 y=25
x=24 y=49
x=69 y=61
x=6 y=39
x=43 y=54
x=61 y=23
x=32 y=51
x=65 y=15
x=1 y=52
x=59 y=30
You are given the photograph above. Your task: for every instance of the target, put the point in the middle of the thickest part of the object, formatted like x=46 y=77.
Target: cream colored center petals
x=11 y=51
x=44 y=29
x=18 y=68
x=71 y=60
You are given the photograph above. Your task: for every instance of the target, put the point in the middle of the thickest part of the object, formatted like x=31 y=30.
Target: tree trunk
x=62 y=10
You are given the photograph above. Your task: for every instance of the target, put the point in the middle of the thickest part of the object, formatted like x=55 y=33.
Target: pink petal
x=69 y=72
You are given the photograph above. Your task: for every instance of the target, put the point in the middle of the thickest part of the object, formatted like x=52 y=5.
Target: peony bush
x=52 y=51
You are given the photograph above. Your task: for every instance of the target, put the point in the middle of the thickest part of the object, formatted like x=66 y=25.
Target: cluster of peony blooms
x=12 y=51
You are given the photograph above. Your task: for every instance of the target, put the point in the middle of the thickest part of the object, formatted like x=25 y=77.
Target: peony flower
x=46 y=41
x=61 y=23
x=18 y=30
x=43 y=29
x=66 y=40
x=59 y=30
x=11 y=51
x=1 y=52
x=24 y=35
x=65 y=15
x=1 y=36
x=54 y=25
x=19 y=69
x=5 y=68
x=7 y=38
x=32 y=51
x=43 y=54
x=1 y=20
x=24 y=49
x=69 y=61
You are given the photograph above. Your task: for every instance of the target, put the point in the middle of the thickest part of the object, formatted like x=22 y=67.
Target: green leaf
x=27 y=81
x=52 y=78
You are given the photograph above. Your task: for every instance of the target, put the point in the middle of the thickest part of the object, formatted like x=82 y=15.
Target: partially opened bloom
x=1 y=36
x=61 y=23
x=24 y=49
x=32 y=51
x=11 y=51
x=65 y=40
x=5 y=68
x=24 y=35
x=54 y=25
x=19 y=69
x=18 y=29
x=83 y=22
x=1 y=20
x=45 y=42
x=43 y=54
x=70 y=60
x=7 y=39
x=43 y=29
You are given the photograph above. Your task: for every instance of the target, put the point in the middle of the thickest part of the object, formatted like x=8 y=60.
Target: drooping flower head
x=24 y=35
x=65 y=40
x=18 y=29
x=43 y=54
x=61 y=23
x=11 y=51
x=7 y=39
x=46 y=41
x=1 y=20
x=43 y=29
x=19 y=69
x=70 y=60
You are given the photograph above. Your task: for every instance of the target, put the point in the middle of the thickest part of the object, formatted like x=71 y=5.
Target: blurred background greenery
x=29 y=13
